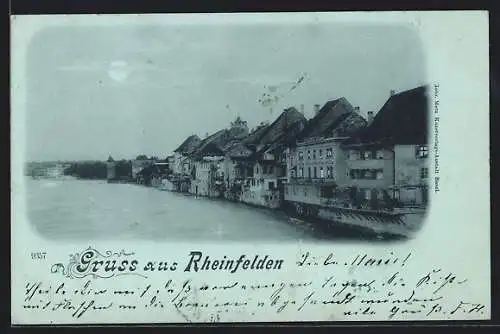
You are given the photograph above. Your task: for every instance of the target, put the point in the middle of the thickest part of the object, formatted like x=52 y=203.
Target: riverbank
x=332 y=229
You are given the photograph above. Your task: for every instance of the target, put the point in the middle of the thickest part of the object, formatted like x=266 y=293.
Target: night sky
x=125 y=90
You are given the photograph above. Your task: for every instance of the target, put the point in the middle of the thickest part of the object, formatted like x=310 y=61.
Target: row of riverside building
x=337 y=158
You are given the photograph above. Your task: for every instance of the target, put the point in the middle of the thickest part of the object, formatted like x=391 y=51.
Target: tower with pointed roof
x=111 y=168
x=239 y=128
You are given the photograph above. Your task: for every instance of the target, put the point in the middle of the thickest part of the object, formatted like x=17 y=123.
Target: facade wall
x=200 y=184
x=412 y=173
x=409 y=166
x=177 y=166
x=322 y=160
x=303 y=193
x=370 y=168
x=261 y=197
x=138 y=165
x=208 y=177
x=181 y=164
x=257 y=191
x=229 y=168
x=371 y=174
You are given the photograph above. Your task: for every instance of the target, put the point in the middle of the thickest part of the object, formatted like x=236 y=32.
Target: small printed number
x=38 y=255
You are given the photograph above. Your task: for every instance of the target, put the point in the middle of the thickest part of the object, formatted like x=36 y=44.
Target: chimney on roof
x=356 y=109
x=316 y=109
x=370 y=117
x=393 y=92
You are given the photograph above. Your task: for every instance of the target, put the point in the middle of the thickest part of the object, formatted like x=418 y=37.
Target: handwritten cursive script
x=359 y=287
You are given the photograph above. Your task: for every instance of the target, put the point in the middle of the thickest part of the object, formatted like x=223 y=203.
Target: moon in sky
x=119 y=70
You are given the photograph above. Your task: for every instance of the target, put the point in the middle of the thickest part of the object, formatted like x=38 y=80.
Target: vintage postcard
x=275 y=167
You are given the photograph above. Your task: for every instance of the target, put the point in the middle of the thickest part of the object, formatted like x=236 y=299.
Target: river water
x=83 y=210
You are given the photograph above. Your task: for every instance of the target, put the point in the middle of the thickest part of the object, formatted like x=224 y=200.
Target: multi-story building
x=208 y=176
x=388 y=160
x=317 y=163
x=259 y=163
x=181 y=163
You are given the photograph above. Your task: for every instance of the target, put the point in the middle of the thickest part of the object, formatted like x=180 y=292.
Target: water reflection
x=73 y=209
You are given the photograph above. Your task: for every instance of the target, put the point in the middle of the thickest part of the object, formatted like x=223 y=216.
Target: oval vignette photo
x=272 y=132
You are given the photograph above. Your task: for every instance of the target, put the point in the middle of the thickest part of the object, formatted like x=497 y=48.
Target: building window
x=367 y=174
x=271 y=169
x=424 y=173
x=301 y=172
x=309 y=172
x=315 y=172
x=329 y=152
x=380 y=154
x=368 y=193
x=328 y=172
x=308 y=154
x=422 y=151
x=321 y=172
x=367 y=155
x=271 y=185
x=314 y=154
x=321 y=154
x=301 y=155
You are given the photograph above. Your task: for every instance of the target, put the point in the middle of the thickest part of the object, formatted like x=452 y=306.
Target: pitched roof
x=212 y=145
x=403 y=120
x=327 y=118
x=287 y=119
x=236 y=149
x=255 y=136
x=188 y=145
